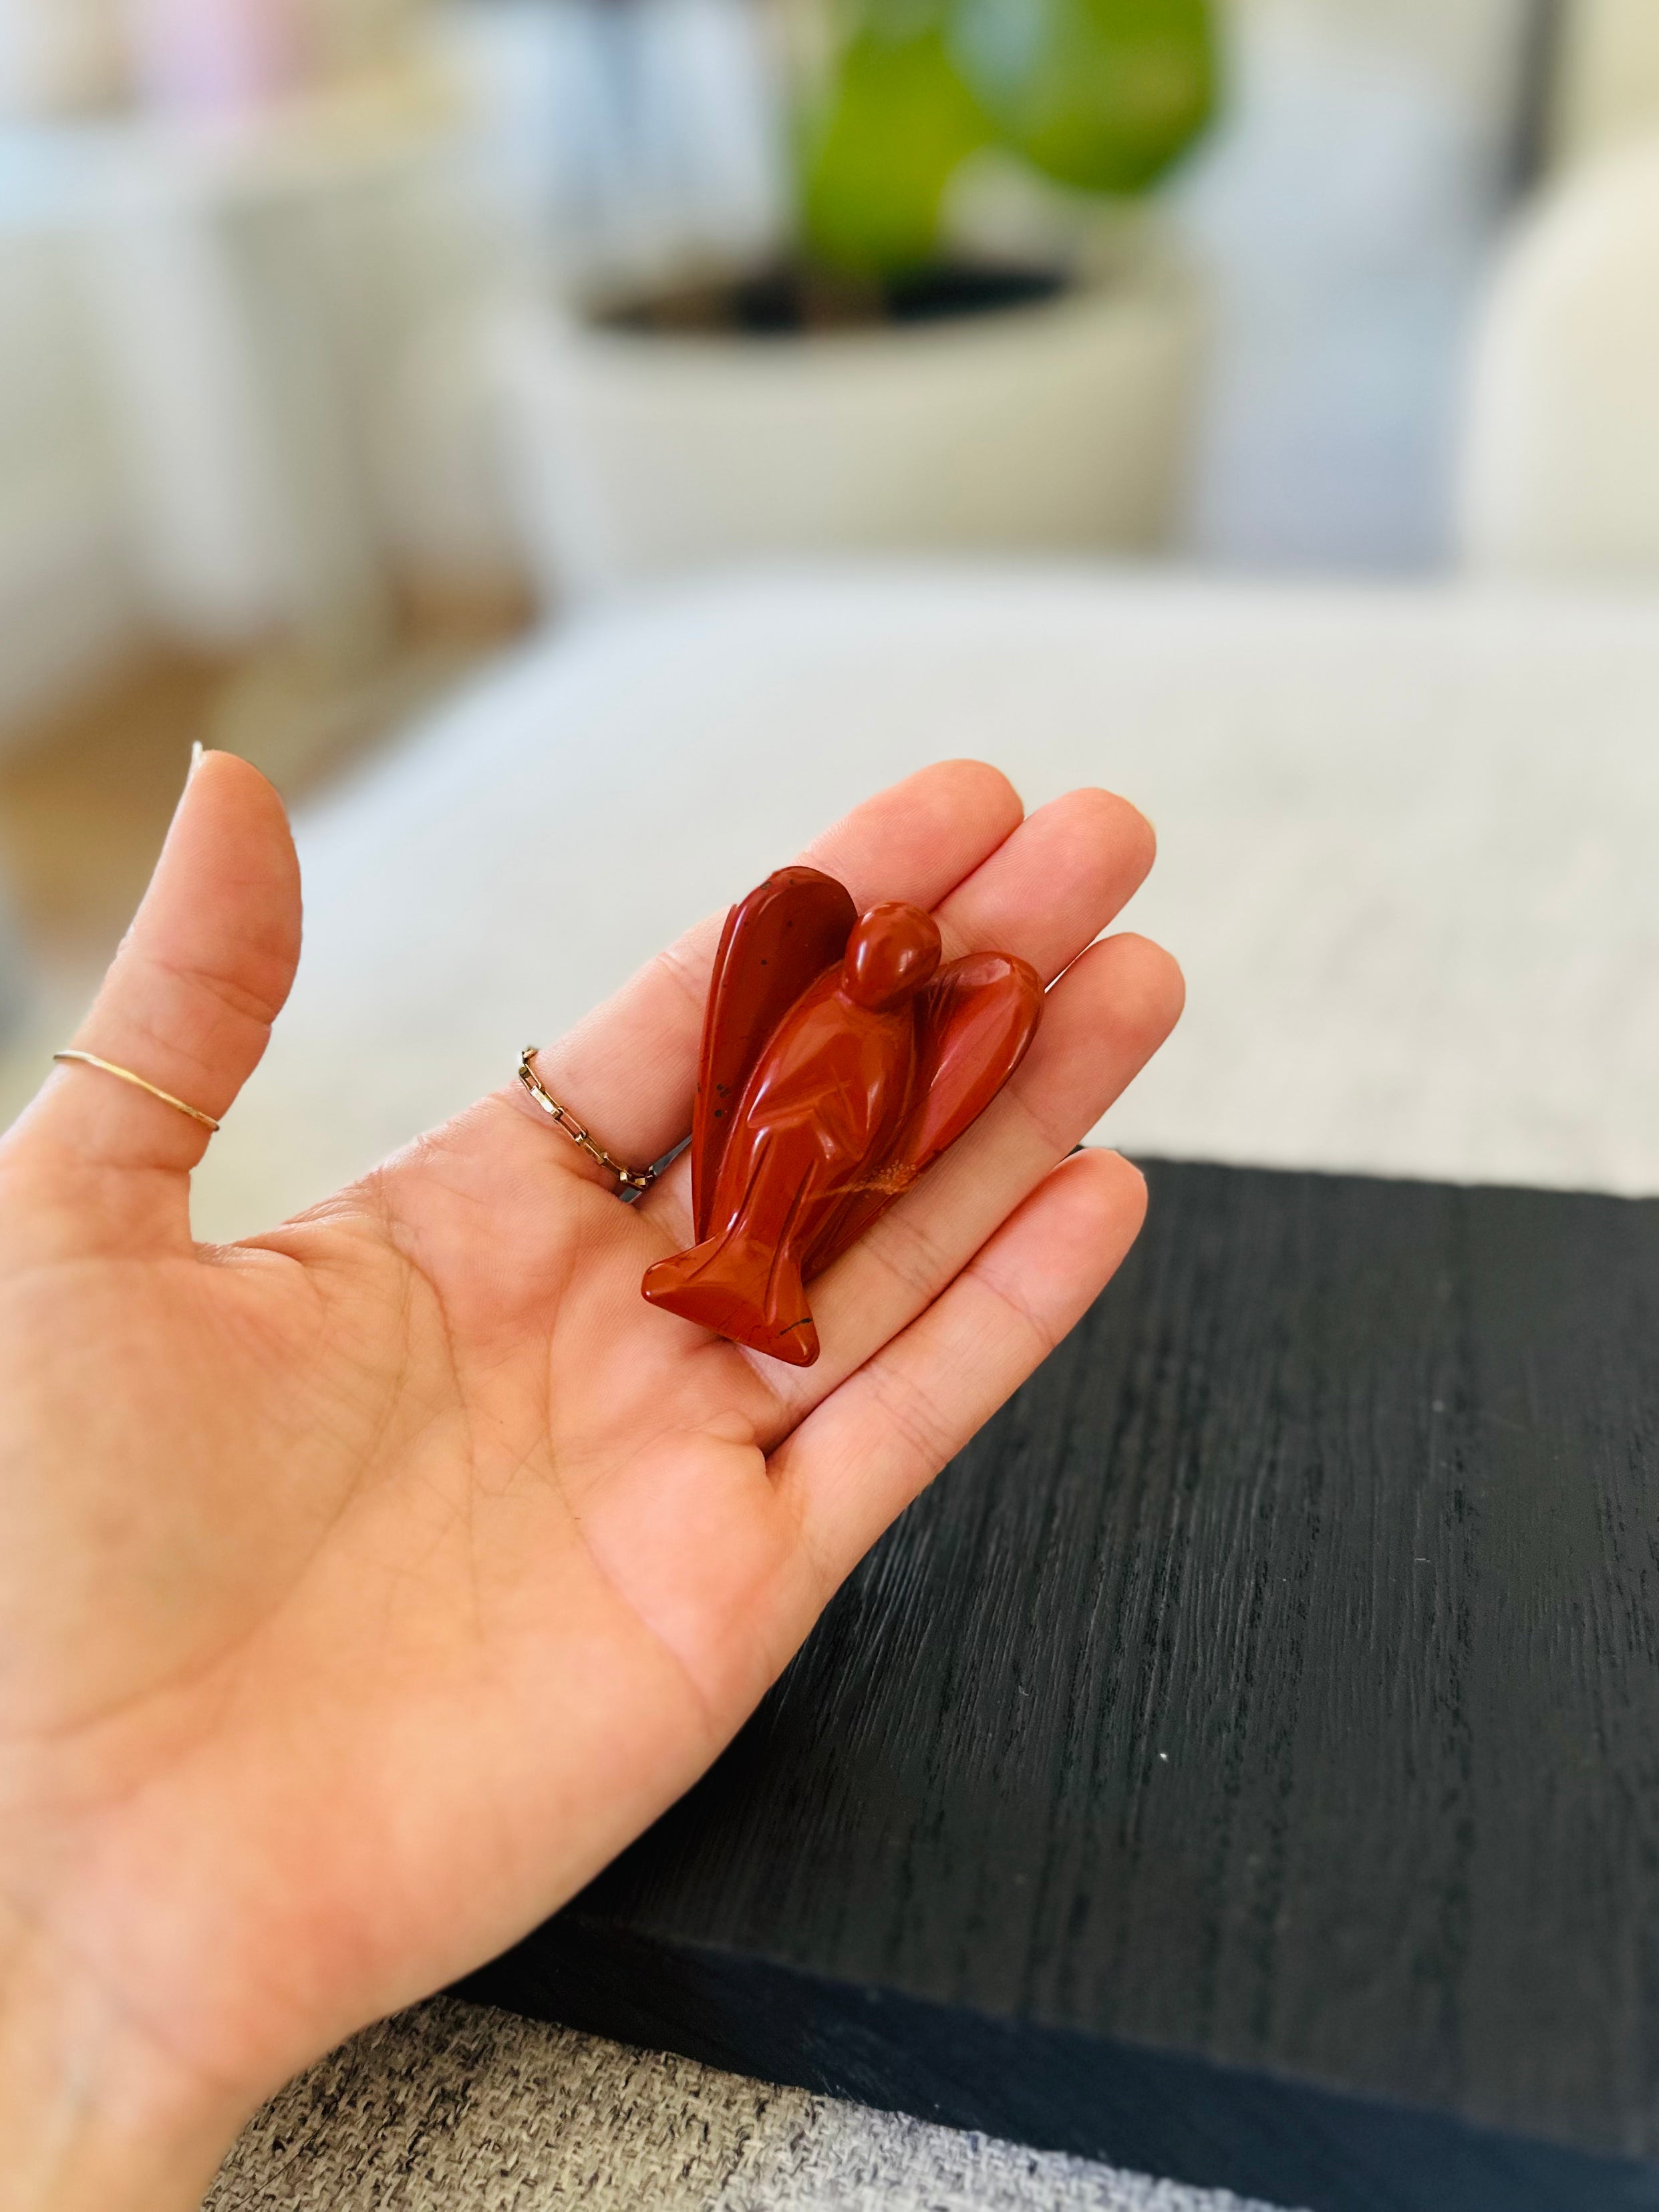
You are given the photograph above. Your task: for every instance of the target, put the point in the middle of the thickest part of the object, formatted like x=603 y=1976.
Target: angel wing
x=776 y=943
x=974 y=1024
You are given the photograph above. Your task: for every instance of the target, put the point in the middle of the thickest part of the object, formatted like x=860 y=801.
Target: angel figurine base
x=839 y=1059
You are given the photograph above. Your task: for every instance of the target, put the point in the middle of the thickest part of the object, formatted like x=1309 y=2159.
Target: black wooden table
x=1244 y=1765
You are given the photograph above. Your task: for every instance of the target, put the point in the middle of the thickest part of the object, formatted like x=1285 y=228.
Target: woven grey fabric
x=455 y=2108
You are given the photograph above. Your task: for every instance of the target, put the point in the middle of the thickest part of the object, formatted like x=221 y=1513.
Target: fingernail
x=195 y=761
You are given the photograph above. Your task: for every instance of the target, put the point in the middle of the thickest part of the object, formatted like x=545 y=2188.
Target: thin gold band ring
x=126 y=1075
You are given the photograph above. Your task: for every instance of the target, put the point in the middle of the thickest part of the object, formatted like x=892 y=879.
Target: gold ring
x=630 y=1178
x=91 y=1059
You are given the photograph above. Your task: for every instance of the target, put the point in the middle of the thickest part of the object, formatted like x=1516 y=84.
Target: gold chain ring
x=630 y=1178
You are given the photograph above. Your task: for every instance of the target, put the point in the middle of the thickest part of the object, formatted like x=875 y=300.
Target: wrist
x=94 y=2116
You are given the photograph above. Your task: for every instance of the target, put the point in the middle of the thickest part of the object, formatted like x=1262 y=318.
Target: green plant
x=1100 y=95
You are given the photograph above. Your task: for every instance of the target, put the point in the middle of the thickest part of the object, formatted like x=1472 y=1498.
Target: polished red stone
x=839 y=1059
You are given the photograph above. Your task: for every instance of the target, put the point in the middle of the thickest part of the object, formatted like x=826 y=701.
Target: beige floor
x=85 y=797
x=87 y=790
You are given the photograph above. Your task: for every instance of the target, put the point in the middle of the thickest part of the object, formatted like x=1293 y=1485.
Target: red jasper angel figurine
x=839 y=1059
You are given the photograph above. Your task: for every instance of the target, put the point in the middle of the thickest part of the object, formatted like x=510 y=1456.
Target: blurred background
x=347 y=342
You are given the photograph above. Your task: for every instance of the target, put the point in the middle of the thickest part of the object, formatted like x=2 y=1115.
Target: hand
x=366 y=1586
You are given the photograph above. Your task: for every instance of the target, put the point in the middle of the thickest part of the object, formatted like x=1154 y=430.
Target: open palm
x=365 y=1586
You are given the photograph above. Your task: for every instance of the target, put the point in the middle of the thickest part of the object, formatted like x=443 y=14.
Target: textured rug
x=455 y=2108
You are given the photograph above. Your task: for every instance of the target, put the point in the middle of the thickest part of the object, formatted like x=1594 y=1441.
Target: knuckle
x=686 y=970
x=1042 y=1334
x=903 y=1247
x=918 y=1422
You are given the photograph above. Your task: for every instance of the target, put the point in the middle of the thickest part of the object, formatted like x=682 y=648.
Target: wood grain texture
x=1244 y=1765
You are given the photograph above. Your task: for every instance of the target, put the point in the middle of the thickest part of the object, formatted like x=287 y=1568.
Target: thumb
x=190 y=998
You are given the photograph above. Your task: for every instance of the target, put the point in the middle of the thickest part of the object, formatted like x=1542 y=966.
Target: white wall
x=1348 y=204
